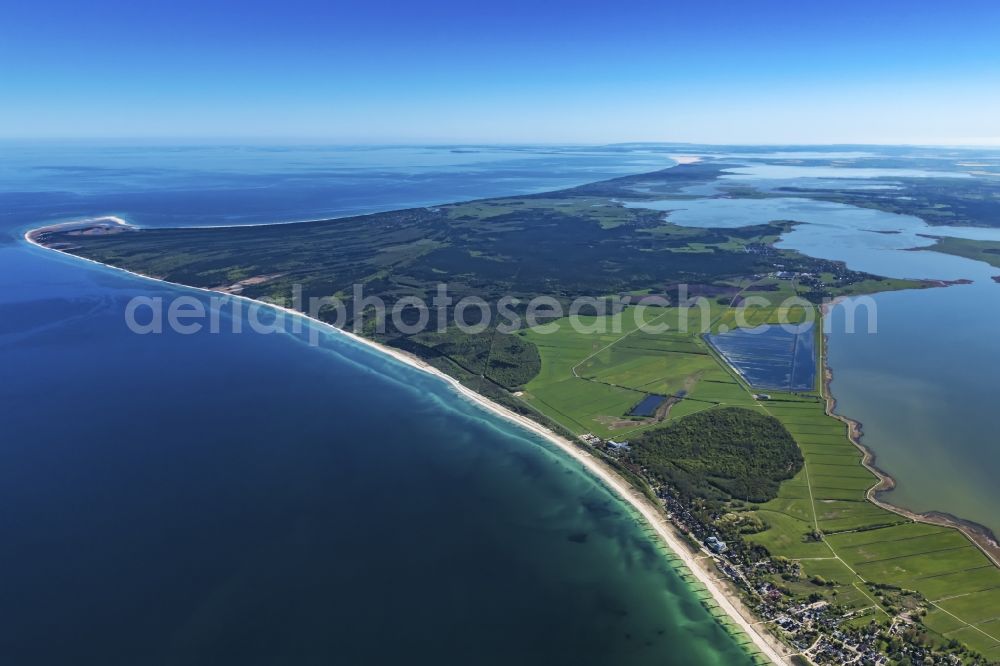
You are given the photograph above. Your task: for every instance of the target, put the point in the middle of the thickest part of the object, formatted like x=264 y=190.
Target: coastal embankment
x=978 y=534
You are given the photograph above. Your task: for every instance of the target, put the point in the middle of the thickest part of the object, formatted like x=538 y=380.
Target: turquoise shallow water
x=248 y=499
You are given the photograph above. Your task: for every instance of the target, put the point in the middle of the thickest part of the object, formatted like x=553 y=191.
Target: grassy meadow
x=980 y=250
x=592 y=376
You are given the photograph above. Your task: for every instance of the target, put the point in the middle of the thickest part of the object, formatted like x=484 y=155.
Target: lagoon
x=924 y=383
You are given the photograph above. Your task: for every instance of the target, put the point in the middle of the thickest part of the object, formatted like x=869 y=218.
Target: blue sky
x=507 y=71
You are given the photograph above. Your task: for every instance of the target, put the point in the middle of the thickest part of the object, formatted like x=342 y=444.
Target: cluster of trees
x=938 y=201
x=507 y=359
x=513 y=361
x=720 y=453
x=555 y=244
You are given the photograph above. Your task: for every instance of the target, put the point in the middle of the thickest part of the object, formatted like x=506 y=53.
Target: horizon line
x=330 y=141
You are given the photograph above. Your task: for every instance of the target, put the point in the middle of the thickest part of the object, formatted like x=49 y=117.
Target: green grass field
x=869 y=544
x=988 y=251
x=592 y=376
x=590 y=379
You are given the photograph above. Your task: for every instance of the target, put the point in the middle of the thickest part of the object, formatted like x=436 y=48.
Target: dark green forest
x=722 y=453
x=576 y=242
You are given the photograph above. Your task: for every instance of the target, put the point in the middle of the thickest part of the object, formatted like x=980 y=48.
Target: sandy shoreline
x=767 y=644
x=978 y=534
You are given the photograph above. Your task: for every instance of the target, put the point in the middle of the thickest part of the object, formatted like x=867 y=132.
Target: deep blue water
x=249 y=499
x=771 y=357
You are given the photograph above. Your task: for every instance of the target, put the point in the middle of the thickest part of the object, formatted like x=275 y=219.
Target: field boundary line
x=970 y=626
x=612 y=344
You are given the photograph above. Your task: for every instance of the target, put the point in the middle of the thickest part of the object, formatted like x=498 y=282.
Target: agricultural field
x=862 y=543
x=589 y=380
x=593 y=374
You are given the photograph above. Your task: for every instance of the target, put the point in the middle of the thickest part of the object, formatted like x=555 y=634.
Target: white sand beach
x=654 y=515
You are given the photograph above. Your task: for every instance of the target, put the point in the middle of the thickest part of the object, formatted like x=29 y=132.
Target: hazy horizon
x=319 y=141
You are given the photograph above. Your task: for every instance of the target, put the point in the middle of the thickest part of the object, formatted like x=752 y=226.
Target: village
x=812 y=628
